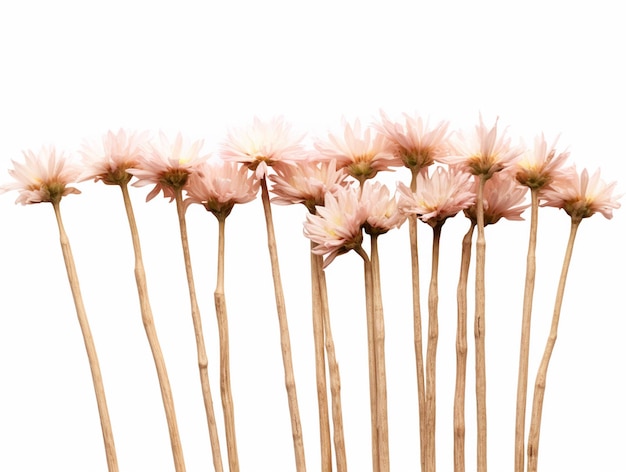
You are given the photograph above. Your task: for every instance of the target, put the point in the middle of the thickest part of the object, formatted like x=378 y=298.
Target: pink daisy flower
x=438 y=196
x=109 y=159
x=306 y=182
x=262 y=145
x=167 y=165
x=218 y=185
x=336 y=228
x=416 y=143
x=538 y=167
x=360 y=152
x=44 y=177
x=581 y=195
x=381 y=208
x=483 y=153
x=503 y=197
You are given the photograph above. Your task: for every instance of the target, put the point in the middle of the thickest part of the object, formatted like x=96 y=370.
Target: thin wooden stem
x=461 y=353
x=431 y=352
x=522 y=377
x=203 y=362
x=153 y=340
x=540 y=382
x=479 y=334
x=94 y=365
x=320 y=366
x=417 y=326
x=379 y=348
x=333 y=368
x=222 y=323
x=290 y=383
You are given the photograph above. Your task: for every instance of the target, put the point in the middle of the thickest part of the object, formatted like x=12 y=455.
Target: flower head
x=416 y=143
x=538 y=167
x=262 y=145
x=43 y=177
x=306 y=182
x=336 y=228
x=362 y=154
x=167 y=165
x=438 y=196
x=503 y=197
x=109 y=159
x=218 y=185
x=581 y=195
x=483 y=153
x=381 y=208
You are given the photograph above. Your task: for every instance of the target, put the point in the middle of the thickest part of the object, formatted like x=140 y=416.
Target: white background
x=71 y=70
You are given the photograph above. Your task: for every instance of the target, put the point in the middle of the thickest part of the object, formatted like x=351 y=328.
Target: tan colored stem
x=371 y=355
x=203 y=363
x=290 y=382
x=320 y=366
x=222 y=323
x=153 y=340
x=479 y=334
x=431 y=353
x=522 y=377
x=333 y=368
x=461 y=354
x=417 y=327
x=540 y=382
x=94 y=365
x=379 y=348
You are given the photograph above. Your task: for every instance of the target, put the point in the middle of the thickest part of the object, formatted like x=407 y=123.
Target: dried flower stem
x=371 y=355
x=540 y=382
x=461 y=353
x=522 y=379
x=431 y=352
x=379 y=349
x=417 y=326
x=320 y=366
x=222 y=323
x=203 y=362
x=94 y=365
x=290 y=382
x=333 y=368
x=153 y=340
x=479 y=333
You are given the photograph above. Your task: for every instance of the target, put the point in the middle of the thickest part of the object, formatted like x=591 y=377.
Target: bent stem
x=290 y=383
x=479 y=333
x=522 y=378
x=94 y=365
x=320 y=365
x=222 y=323
x=431 y=351
x=333 y=368
x=203 y=362
x=153 y=340
x=461 y=353
x=540 y=382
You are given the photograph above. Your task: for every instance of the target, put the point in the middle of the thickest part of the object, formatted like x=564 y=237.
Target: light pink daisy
x=484 y=152
x=109 y=159
x=416 y=143
x=306 y=182
x=381 y=208
x=503 y=197
x=262 y=145
x=362 y=153
x=336 y=228
x=218 y=185
x=167 y=165
x=581 y=196
x=439 y=196
x=43 y=177
x=538 y=167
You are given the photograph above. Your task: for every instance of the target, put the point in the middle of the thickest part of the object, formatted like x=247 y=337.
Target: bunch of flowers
x=478 y=174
